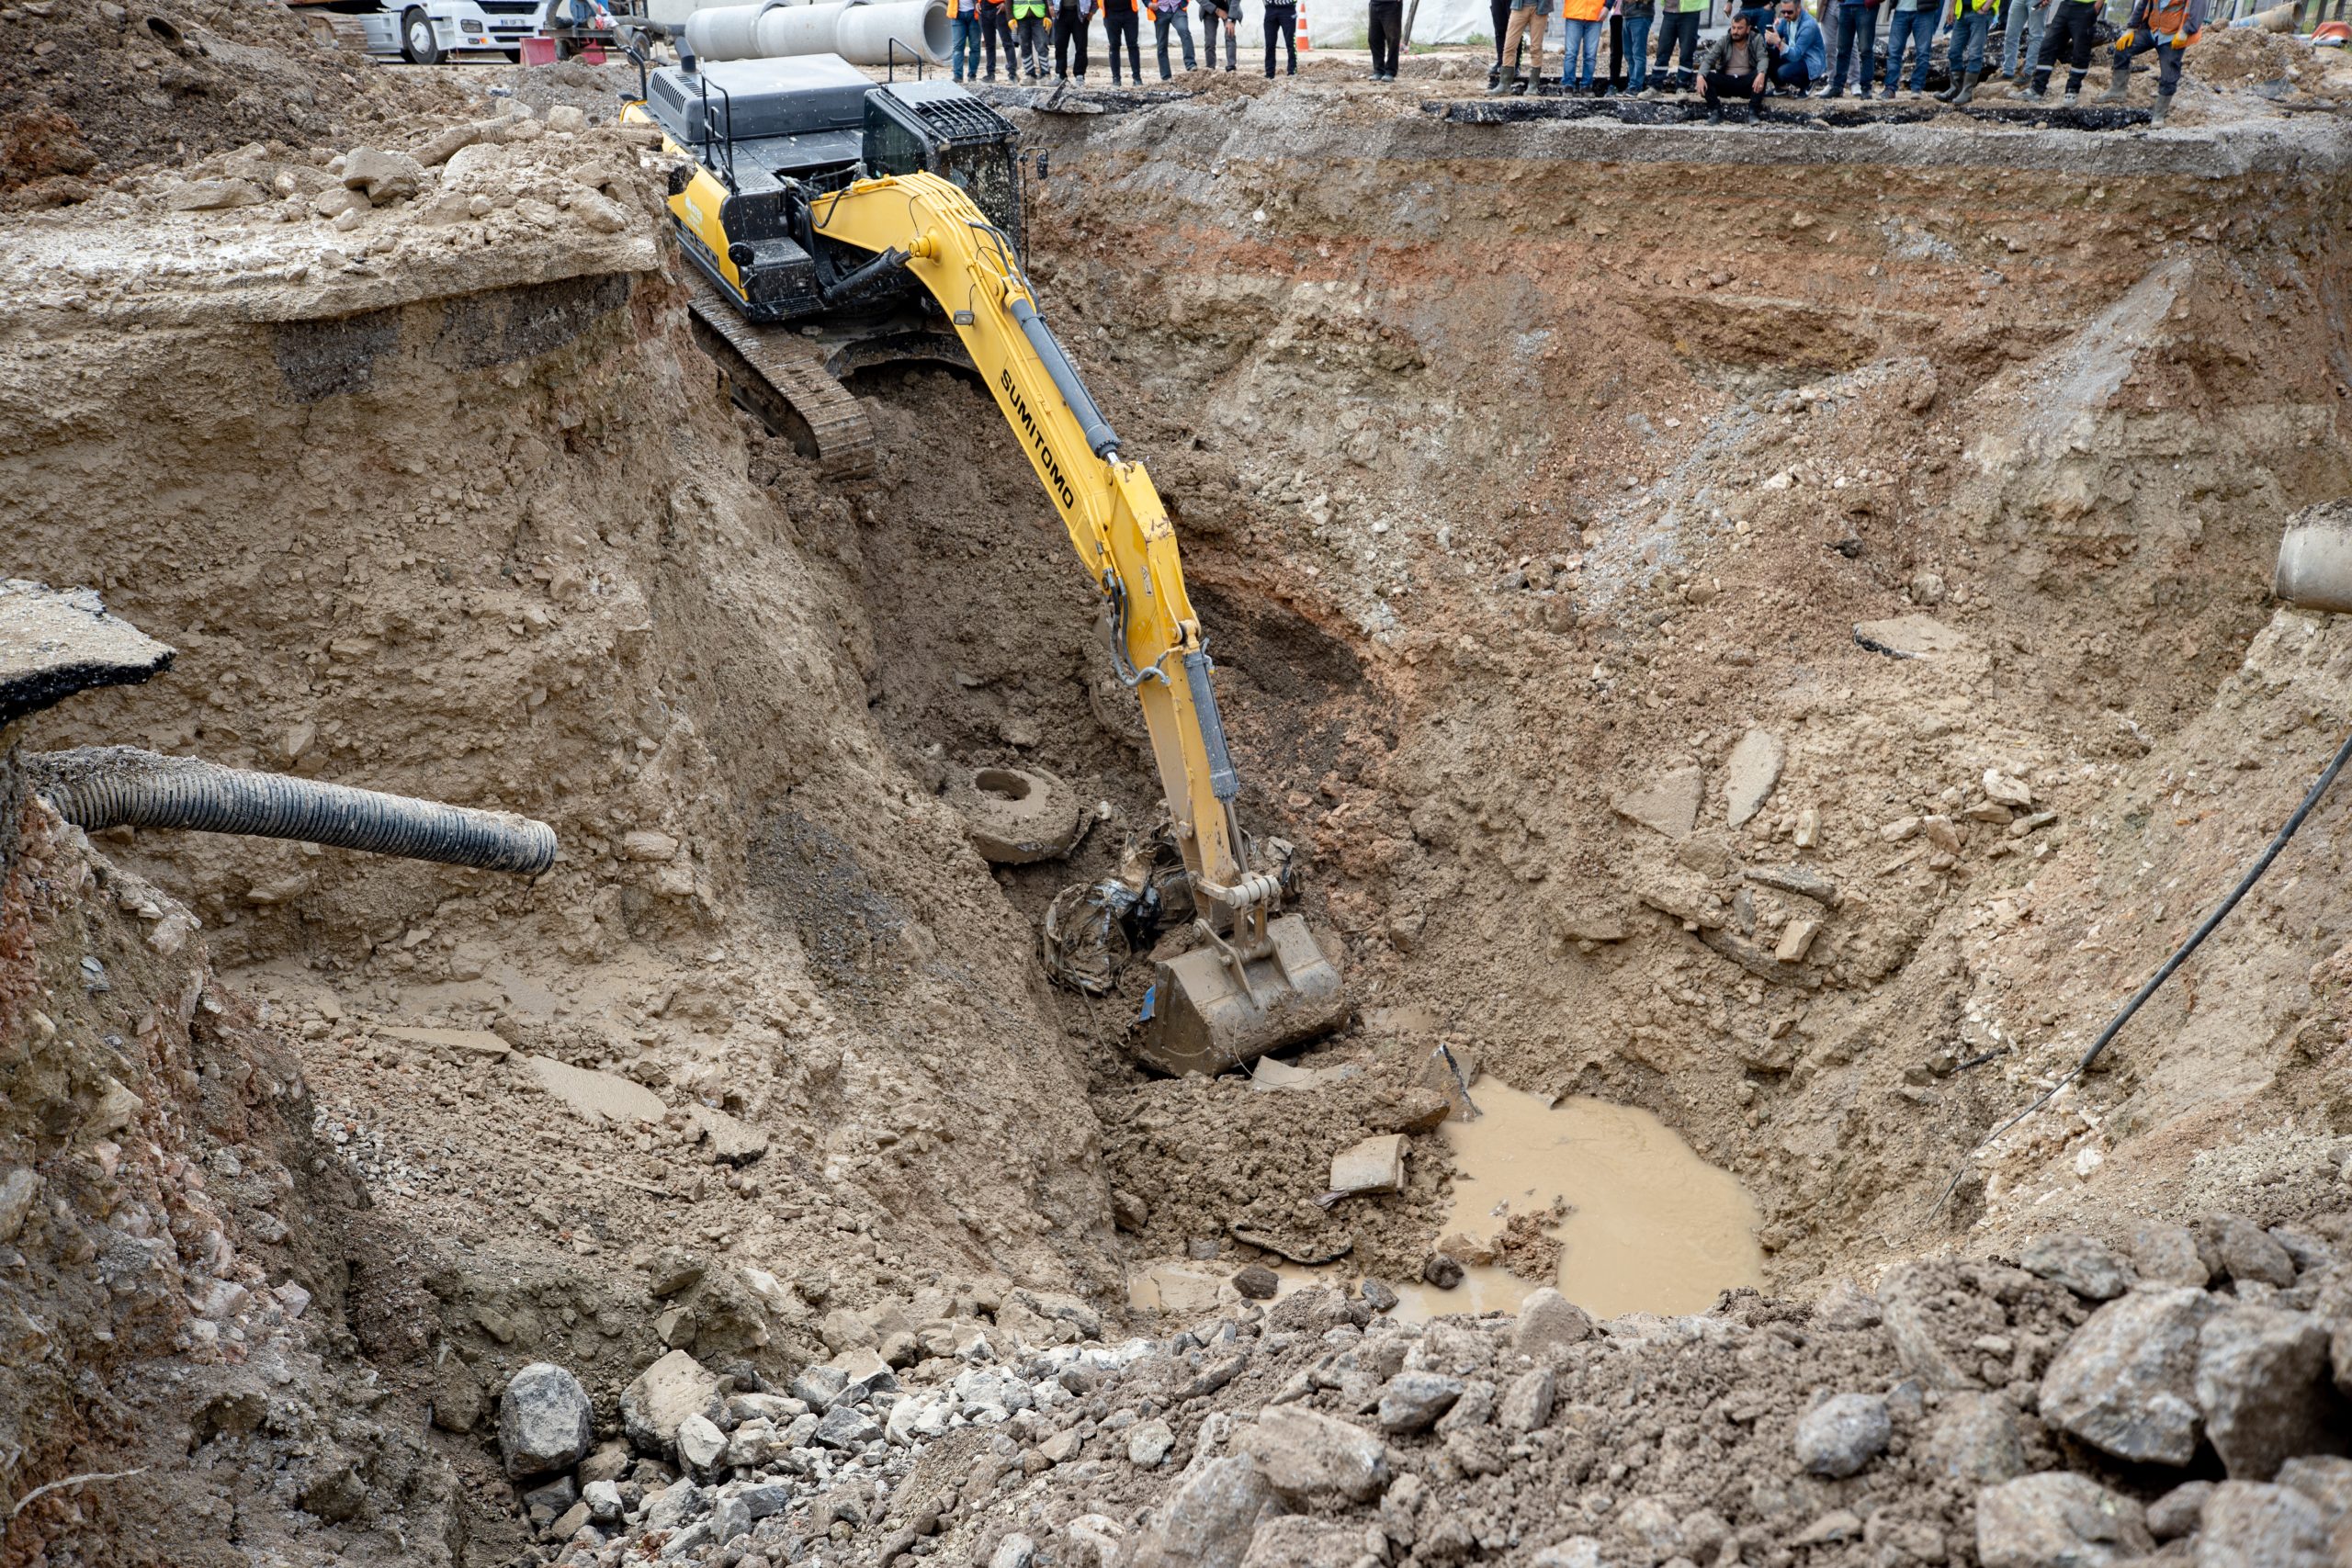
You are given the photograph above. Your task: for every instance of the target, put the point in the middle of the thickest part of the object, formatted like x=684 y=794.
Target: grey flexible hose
x=96 y=787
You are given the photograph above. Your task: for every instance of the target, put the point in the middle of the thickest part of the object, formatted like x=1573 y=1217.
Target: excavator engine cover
x=1204 y=1019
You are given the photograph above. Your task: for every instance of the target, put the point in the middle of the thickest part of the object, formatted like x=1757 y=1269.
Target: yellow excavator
x=882 y=220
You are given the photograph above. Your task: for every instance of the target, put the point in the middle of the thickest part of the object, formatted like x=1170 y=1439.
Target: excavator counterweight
x=923 y=223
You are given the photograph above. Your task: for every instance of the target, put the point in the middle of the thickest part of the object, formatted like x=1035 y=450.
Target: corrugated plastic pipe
x=96 y=787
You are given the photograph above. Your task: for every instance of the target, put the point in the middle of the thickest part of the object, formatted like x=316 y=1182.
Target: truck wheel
x=418 y=43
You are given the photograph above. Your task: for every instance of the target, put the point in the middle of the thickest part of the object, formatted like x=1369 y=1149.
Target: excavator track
x=781 y=380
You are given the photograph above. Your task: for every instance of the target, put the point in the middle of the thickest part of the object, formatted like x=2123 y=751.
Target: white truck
x=426 y=32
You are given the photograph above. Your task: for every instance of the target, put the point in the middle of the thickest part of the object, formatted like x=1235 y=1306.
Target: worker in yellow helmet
x=2169 y=27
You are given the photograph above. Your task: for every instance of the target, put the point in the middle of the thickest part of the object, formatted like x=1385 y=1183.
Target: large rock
x=2126 y=1381
x=1411 y=1402
x=1304 y=1453
x=2249 y=1525
x=2262 y=1384
x=2169 y=1255
x=545 y=1422
x=1548 y=1323
x=1975 y=1438
x=385 y=176
x=2057 y=1519
x=2248 y=1252
x=2180 y=1511
x=1527 y=1403
x=2325 y=1479
x=2088 y=1268
x=1293 y=1540
x=1210 y=1521
x=701 y=1446
x=663 y=1395
x=1842 y=1433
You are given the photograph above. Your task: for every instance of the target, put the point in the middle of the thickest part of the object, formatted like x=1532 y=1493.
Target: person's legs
x=1841 y=48
x=2078 y=57
x=1273 y=28
x=1514 y=32
x=1978 y=33
x=1232 y=41
x=1686 y=39
x=1535 y=30
x=988 y=44
x=2013 y=28
x=1923 y=40
x=963 y=47
x=1571 y=49
x=1388 y=36
x=1790 y=77
x=1895 y=37
x=1637 y=54
x=1290 y=39
x=1711 y=87
x=1500 y=11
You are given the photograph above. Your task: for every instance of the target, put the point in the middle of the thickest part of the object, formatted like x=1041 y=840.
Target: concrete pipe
x=860 y=32
x=2316 y=558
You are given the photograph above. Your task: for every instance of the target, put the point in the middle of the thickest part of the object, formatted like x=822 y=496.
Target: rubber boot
x=2118 y=85
x=2164 y=108
x=1950 y=93
x=1501 y=81
x=1967 y=89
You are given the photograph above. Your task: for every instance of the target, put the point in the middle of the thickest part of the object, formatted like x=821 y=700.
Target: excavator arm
x=1258 y=981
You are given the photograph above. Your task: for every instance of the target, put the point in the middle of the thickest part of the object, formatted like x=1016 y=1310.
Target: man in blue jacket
x=1804 y=54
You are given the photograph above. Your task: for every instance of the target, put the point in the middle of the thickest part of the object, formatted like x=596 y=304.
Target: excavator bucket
x=1210 y=1009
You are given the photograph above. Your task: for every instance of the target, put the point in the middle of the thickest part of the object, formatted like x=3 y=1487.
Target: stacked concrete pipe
x=877 y=33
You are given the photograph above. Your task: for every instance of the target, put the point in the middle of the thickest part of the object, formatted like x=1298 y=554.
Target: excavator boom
x=1259 y=980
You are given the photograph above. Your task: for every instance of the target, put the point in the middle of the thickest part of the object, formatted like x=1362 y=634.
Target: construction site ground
x=1758 y=631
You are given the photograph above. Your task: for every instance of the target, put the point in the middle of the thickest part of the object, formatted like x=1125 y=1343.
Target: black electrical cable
x=2180 y=955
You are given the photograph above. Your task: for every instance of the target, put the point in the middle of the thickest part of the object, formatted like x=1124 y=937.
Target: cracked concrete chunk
x=1669 y=806
x=55 y=643
x=1913 y=636
x=596 y=1097
x=730 y=1140
x=1375 y=1165
x=1749 y=776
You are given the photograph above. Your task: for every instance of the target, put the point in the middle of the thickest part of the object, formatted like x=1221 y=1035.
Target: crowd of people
x=1039 y=38
x=1769 y=49
x=1782 y=50
x=1766 y=48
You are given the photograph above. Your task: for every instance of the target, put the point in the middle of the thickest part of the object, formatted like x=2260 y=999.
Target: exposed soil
x=1536 y=482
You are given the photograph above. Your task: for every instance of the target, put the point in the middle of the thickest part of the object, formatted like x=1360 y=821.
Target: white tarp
x=1346 y=24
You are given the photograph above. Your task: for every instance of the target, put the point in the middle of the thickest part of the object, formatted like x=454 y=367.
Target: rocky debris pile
x=2020 y=1417
x=514 y=167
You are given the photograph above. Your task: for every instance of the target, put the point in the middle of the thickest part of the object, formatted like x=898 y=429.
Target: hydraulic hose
x=96 y=787
x=2179 y=956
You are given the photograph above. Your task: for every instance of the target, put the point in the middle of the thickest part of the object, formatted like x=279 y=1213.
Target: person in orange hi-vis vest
x=2169 y=27
x=1580 y=42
